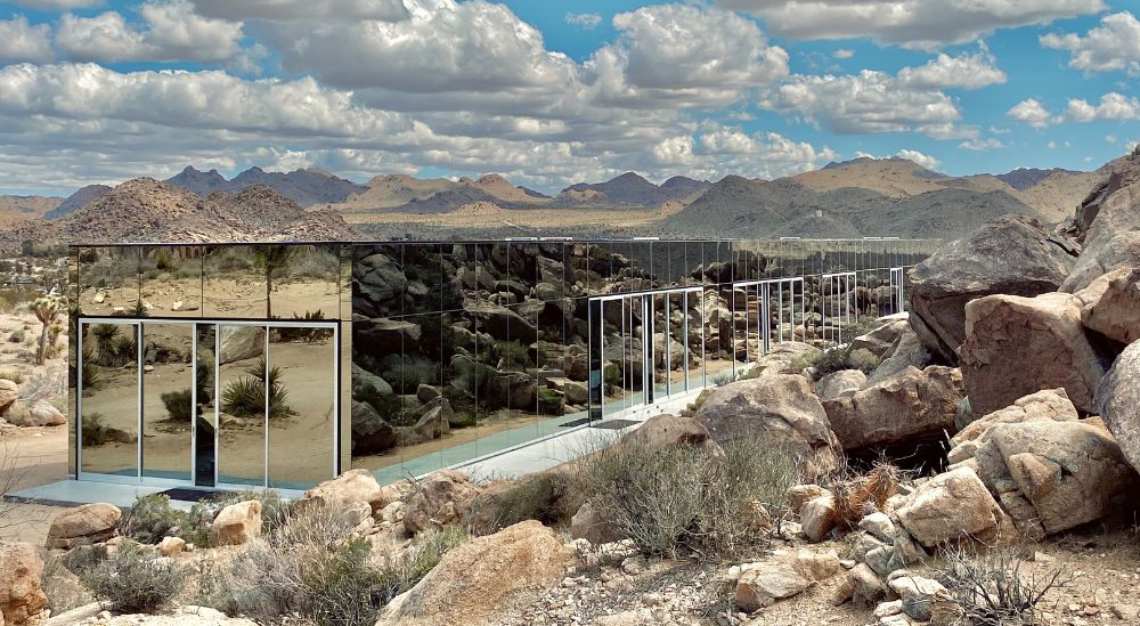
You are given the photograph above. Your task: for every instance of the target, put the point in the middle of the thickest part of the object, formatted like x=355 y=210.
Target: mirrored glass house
x=281 y=365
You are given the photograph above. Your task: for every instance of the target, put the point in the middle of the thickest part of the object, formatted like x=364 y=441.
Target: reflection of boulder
x=433 y=420
x=385 y=336
x=502 y=323
x=379 y=280
x=515 y=390
x=371 y=434
x=367 y=386
x=574 y=392
x=676 y=352
x=242 y=342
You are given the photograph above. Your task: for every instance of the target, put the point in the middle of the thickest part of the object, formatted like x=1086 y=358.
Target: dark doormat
x=184 y=494
x=615 y=424
x=574 y=423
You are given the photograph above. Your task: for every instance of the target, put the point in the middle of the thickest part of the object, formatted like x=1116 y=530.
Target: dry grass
x=993 y=588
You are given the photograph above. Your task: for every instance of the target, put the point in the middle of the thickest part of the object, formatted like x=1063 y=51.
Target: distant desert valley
x=856 y=198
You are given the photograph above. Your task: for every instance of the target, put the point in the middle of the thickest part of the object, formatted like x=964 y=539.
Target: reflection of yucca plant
x=245 y=397
x=91 y=379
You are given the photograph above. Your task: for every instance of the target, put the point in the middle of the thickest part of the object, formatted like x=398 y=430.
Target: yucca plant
x=245 y=397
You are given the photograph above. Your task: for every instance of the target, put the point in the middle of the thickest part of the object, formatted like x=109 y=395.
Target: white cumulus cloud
x=968 y=71
x=172 y=32
x=1031 y=111
x=1112 y=106
x=589 y=21
x=1114 y=45
x=285 y=10
x=924 y=24
x=21 y=41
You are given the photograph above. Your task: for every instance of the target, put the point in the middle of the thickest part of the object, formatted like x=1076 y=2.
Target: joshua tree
x=47 y=311
x=270 y=259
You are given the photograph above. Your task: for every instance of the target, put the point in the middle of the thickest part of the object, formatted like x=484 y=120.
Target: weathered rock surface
x=9 y=393
x=841 y=383
x=783 y=576
x=443 y=497
x=350 y=487
x=590 y=524
x=665 y=431
x=477 y=578
x=1050 y=404
x=1109 y=224
x=1016 y=346
x=1118 y=401
x=21 y=597
x=781 y=409
x=236 y=524
x=818 y=517
x=948 y=506
x=907 y=351
x=1111 y=305
x=913 y=403
x=1011 y=255
x=1070 y=472
x=881 y=340
x=84 y=525
x=784 y=358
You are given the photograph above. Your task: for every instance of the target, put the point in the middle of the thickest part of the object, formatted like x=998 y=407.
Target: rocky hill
x=305 y=187
x=15 y=209
x=632 y=189
x=77 y=200
x=148 y=210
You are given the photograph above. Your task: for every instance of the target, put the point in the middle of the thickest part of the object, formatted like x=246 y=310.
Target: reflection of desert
x=501 y=422
x=301 y=444
x=228 y=297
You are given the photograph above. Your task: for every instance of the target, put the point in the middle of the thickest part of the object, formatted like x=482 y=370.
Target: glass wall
x=443 y=351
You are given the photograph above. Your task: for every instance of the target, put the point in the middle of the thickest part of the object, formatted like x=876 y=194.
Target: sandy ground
x=30 y=457
x=225 y=298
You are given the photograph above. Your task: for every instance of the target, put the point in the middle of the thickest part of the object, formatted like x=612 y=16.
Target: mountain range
x=861 y=197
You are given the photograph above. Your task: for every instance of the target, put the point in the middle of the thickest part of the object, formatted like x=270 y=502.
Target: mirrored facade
x=282 y=364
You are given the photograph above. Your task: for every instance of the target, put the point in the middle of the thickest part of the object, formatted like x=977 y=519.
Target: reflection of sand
x=301 y=446
x=226 y=297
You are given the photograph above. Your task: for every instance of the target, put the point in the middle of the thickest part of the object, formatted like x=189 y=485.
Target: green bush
x=178 y=405
x=135 y=580
x=685 y=501
x=151 y=518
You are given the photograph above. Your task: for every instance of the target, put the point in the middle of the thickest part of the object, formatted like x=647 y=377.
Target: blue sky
x=548 y=93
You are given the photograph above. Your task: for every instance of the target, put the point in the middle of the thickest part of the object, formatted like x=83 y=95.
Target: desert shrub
x=994 y=588
x=543 y=496
x=17 y=336
x=274 y=509
x=838 y=359
x=95 y=432
x=62 y=587
x=135 y=580
x=513 y=353
x=685 y=501
x=401 y=574
x=151 y=518
x=245 y=396
x=178 y=405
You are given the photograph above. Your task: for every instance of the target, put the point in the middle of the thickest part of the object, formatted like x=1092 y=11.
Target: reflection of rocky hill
x=305 y=187
x=14 y=209
x=147 y=210
x=78 y=200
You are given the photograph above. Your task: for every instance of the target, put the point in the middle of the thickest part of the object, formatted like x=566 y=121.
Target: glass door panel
x=205 y=407
x=302 y=405
x=242 y=376
x=167 y=402
x=109 y=418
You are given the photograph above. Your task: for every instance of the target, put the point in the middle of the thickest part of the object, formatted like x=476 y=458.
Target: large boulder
x=21 y=597
x=474 y=580
x=84 y=525
x=1108 y=224
x=785 y=358
x=1111 y=305
x=1070 y=472
x=236 y=524
x=38 y=413
x=1011 y=255
x=9 y=393
x=912 y=404
x=841 y=383
x=352 y=487
x=1050 y=404
x=785 y=575
x=949 y=506
x=442 y=498
x=665 y=431
x=240 y=343
x=781 y=409
x=1016 y=346
x=1118 y=401
x=881 y=340
x=907 y=351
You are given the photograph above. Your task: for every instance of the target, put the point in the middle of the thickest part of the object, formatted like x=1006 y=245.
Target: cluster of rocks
x=17 y=409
